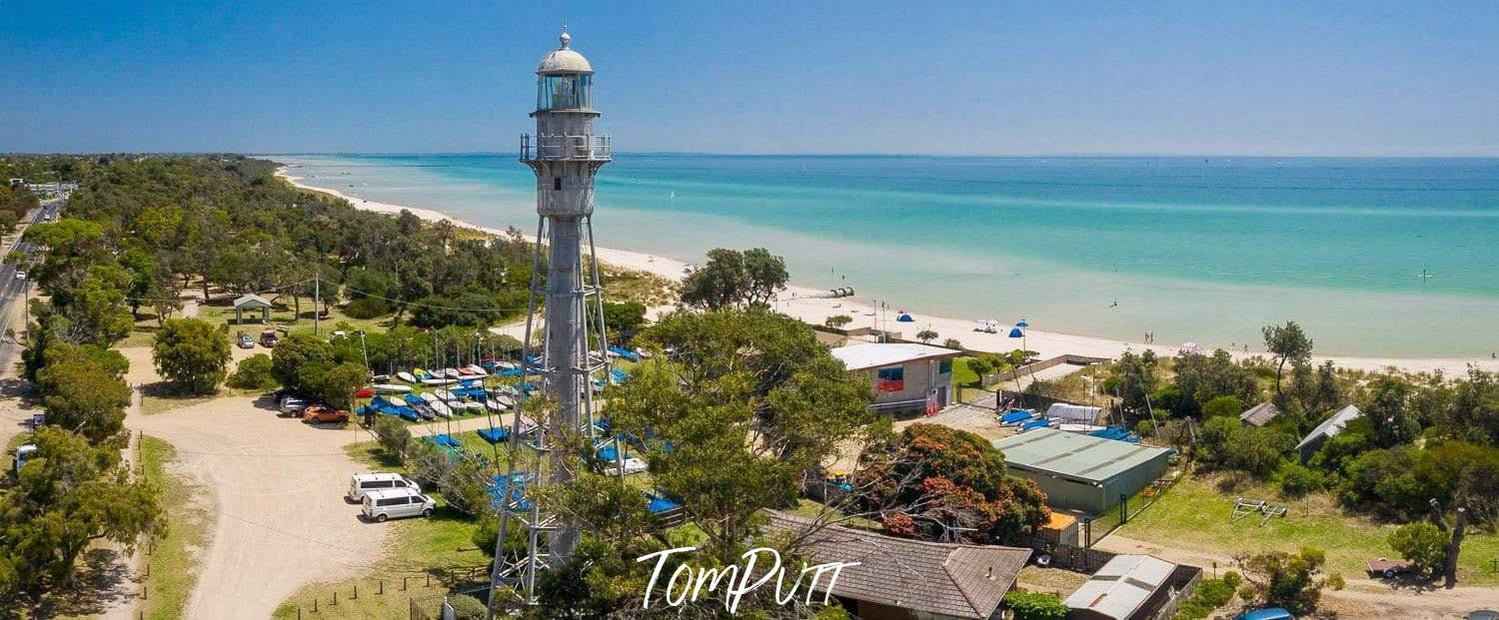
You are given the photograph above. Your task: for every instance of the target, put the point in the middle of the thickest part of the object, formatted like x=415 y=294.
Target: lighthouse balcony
x=590 y=147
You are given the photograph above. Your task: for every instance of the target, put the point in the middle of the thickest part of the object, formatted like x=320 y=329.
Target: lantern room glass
x=564 y=92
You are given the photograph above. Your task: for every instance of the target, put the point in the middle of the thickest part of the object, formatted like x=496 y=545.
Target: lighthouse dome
x=564 y=60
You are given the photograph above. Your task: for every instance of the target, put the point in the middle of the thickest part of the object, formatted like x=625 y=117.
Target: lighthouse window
x=564 y=92
x=556 y=182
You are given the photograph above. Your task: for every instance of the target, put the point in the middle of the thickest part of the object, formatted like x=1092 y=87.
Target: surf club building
x=908 y=378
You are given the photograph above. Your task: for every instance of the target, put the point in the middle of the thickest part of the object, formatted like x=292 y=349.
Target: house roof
x=1331 y=425
x=1074 y=454
x=1261 y=414
x=251 y=300
x=963 y=581
x=1122 y=585
x=882 y=354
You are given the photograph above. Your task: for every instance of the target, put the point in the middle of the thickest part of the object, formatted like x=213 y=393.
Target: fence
x=1183 y=580
x=1080 y=559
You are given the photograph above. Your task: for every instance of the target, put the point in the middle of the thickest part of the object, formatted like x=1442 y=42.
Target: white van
x=397 y=503
x=359 y=484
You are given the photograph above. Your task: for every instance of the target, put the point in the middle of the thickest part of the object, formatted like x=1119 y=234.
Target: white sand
x=795 y=302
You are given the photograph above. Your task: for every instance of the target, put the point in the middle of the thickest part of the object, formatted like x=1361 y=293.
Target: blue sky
x=1362 y=78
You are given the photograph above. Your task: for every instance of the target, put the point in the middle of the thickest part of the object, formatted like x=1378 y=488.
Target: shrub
x=1035 y=606
x=1233 y=579
x=952 y=343
x=1209 y=596
x=837 y=321
x=394 y=437
x=1422 y=544
x=466 y=607
x=253 y=373
x=1223 y=406
x=1296 y=480
x=1145 y=428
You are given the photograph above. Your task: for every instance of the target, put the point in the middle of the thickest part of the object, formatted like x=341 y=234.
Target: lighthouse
x=567 y=355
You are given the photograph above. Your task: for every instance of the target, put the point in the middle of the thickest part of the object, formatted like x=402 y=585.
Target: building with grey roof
x=904 y=578
x=1259 y=415
x=1128 y=587
x=1333 y=425
x=1083 y=472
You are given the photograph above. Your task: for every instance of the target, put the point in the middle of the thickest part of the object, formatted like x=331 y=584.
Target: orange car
x=319 y=413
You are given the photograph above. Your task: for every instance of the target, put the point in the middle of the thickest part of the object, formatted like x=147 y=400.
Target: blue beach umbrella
x=1022 y=323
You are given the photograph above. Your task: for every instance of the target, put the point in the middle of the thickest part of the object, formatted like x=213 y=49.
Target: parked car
x=396 y=504
x=320 y=413
x=359 y=484
x=291 y=405
x=1387 y=568
x=245 y=341
x=268 y=338
x=20 y=275
x=1267 y=613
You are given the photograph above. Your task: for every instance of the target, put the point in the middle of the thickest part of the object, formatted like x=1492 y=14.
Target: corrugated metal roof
x=1122 y=585
x=881 y=354
x=1331 y=425
x=1075 y=454
x=1260 y=415
x=963 y=581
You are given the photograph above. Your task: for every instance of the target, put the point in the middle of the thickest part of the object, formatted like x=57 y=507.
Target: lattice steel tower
x=565 y=154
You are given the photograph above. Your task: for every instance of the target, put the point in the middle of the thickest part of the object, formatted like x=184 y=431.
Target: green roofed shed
x=251 y=302
x=1083 y=472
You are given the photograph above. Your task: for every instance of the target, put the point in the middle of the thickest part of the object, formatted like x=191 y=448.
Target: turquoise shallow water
x=1193 y=249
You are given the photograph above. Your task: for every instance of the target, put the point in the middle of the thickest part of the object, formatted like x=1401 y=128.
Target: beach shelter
x=904 y=318
x=251 y=302
x=1016 y=333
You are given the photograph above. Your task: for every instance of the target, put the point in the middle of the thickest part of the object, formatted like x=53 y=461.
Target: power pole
x=317 y=294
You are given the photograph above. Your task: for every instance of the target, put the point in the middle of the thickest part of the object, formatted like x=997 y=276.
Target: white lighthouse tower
x=565 y=154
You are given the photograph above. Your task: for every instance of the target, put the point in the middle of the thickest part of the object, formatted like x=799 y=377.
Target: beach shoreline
x=797 y=301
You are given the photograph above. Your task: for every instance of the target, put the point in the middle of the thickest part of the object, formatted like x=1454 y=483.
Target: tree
x=622 y=319
x=335 y=386
x=926 y=336
x=81 y=395
x=395 y=439
x=952 y=343
x=292 y=353
x=1385 y=406
x=746 y=391
x=71 y=494
x=1287 y=343
x=253 y=373
x=1286 y=580
x=731 y=277
x=1423 y=544
x=192 y=354
x=837 y=321
x=942 y=484
x=1202 y=378
x=1223 y=406
x=1132 y=379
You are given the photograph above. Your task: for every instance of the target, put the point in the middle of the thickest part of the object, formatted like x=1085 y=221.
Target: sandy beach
x=799 y=302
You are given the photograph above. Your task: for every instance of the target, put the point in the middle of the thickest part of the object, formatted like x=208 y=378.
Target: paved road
x=12 y=316
x=13 y=289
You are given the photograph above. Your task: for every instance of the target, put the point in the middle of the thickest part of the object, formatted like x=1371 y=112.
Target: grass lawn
x=420 y=547
x=1195 y=514
x=175 y=559
x=962 y=374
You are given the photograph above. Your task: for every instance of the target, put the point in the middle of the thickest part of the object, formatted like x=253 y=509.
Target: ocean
x=1191 y=248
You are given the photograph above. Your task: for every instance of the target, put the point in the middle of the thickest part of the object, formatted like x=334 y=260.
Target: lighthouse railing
x=565 y=146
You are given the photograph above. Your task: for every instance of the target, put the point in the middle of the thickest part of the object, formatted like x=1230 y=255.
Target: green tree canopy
x=1287 y=343
x=292 y=353
x=730 y=277
x=192 y=354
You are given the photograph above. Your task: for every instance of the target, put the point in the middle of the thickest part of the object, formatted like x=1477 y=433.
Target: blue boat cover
x=1015 y=416
x=660 y=504
x=624 y=353
x=1035 y=424
x=494 y=435
x=443 y=440
x=498 y=488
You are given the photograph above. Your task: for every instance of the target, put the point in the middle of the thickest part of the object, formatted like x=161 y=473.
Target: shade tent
x=1073 y=413
x=251 y=302
x=1016 y=333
